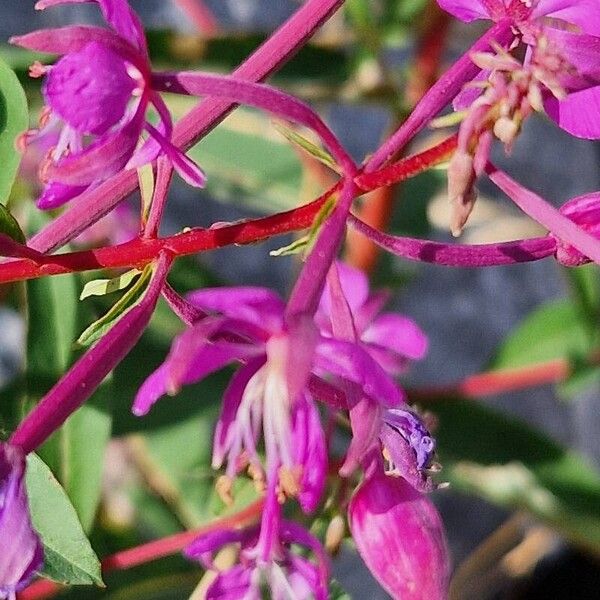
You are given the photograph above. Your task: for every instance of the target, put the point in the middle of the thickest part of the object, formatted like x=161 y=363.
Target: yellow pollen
x=223 y=487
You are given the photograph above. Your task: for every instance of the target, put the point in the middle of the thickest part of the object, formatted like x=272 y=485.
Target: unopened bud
x=334 y=536
x=461 y=190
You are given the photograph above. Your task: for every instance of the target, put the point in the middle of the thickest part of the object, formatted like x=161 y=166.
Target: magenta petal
x=105 y=157
x=310 y=451
x=56 y=194
x=208 y=544
x=400 y=536
x=189 y=171
x=73 y=38
x=206 y=361
x=116 y=12
x=578 y=113
x=21 y=553
x=235 y=583
x=351 y=362
x=89 y=89
x=583 y=13
x=355 y=286
x=397 y=333
x=257 y=305
x=365 y=418
x=465 y=10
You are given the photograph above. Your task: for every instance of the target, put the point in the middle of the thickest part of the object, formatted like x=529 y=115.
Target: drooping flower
x=400 y=536
x=21 y=553
x=97 y=97
x=284 y=367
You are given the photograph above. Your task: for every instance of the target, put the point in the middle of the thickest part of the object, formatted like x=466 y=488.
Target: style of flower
x=97 y=97
x=21 y=553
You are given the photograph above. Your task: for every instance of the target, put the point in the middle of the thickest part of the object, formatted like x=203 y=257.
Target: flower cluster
x=326 y=354
x=270 y=404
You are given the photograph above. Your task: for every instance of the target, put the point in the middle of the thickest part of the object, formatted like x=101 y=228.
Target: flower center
x=90 y=89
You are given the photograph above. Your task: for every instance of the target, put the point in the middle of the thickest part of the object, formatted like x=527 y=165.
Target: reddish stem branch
x=502 y=381
x=141 y=251
x=133 y=557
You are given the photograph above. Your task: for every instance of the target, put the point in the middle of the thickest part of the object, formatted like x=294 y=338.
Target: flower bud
x=399 y=534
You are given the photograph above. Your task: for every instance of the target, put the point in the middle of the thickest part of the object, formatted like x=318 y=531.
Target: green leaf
x=101 y=287
x=315 y=151
x=486 y=453
x=68 y=556
x=9 y=226
x=555 y=330
x=52 y=312
x=127 y=301
x=83 y=441
x=146 y=181
x=14 y=119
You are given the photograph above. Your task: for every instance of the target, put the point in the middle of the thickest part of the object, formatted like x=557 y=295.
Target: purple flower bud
x=21 y=553
x=400 y=536
x=585 y=212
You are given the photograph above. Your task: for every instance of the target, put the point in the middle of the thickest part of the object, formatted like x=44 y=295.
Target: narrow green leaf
x=127 y=301
x=295 y=247
x=486 y=453
x=146 y=179
x=68 y=555
x=295 y=138
x=101 y=287
x=52 y=310
x=14 y=119
x=9 y=226
x=83 y=442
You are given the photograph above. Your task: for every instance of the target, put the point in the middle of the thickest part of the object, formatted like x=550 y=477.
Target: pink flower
x=100 y=90
x=399 y=534
x=21 y=553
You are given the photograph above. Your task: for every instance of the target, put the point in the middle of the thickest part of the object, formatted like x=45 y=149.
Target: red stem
x=141 y=251
x=92 y=205
x=133 y=557
x=499 y=382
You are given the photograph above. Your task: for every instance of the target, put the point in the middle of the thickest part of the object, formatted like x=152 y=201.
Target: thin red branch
x=133 y=557
x=141 y=251
x=502 y=381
